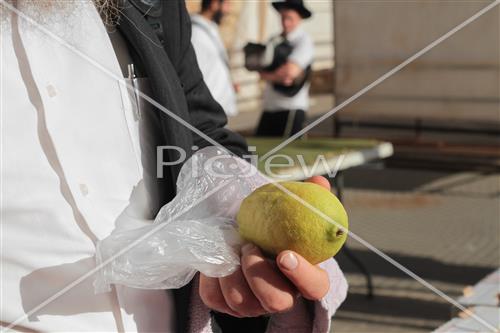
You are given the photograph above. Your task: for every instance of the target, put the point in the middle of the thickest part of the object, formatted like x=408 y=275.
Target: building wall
x=457 y=82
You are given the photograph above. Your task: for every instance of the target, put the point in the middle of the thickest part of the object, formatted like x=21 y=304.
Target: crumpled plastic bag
x=194 y=232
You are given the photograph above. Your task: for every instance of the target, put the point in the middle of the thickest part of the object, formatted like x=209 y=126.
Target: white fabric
x=71 y=171
x=302 y=55
x=213 y=62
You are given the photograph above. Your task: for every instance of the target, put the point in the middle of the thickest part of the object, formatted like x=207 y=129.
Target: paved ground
x=445 y=227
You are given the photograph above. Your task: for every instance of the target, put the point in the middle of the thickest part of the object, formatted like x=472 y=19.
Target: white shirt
x=302 y=55
x=71 y=171
x=213 y=62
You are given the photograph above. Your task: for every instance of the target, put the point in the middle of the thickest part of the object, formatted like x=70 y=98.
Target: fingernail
x=289 y=261
x=247 y=248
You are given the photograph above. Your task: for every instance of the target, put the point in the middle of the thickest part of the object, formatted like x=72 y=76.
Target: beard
x=42 y=10
x=109 y=10
x=218 y=16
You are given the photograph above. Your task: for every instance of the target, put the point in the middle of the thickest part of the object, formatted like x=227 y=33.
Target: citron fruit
x=276 y=221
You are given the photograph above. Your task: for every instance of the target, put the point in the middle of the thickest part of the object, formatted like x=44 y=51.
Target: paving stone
x=445 y=227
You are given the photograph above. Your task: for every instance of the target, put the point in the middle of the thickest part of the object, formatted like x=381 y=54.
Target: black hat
x=297 y=5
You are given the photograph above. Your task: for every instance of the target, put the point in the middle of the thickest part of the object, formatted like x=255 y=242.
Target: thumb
x=312 y=281
x=319 y=180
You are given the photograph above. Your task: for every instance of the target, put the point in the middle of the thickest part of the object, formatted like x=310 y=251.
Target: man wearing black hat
x=286 y=95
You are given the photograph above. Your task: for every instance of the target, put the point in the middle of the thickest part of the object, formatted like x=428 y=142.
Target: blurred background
x=434 y=204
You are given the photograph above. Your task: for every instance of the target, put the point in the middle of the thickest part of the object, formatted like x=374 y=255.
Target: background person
x=284 y=114
x=211 y=53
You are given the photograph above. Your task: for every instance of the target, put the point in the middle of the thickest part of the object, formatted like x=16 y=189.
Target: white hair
x=43 y=10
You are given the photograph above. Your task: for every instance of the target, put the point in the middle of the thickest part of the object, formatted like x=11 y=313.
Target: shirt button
x=51 y=90
x=84 y=189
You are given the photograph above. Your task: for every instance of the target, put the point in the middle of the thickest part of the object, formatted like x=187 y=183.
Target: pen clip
x=132 y=76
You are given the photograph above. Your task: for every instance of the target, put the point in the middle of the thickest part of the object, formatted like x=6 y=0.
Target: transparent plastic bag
x=194 y=232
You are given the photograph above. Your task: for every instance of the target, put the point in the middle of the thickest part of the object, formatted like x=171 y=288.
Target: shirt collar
x=295 y=34
x=199 y=19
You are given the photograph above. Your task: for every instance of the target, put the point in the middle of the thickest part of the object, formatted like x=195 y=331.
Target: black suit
x=177 y=84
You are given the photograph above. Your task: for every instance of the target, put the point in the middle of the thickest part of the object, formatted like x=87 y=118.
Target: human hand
x=268 y=76
x=260 y=286
x=288 y=72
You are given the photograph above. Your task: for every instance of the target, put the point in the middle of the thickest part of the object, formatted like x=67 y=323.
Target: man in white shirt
x=211 y=53
x=79 y=159
x=71 y=172
x=286 y=94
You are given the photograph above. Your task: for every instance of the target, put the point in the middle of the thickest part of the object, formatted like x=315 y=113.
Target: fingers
x=211 y=295
x=239 y=297
x=273 y=291
x=311 y=281
x=320 y=180
x=287 y=82
x=258 y=288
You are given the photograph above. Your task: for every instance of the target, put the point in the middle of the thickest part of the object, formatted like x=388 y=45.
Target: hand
x=261 y=287
x=236 y=87
x=268 y=76
x=288 y=72
x=285 y=74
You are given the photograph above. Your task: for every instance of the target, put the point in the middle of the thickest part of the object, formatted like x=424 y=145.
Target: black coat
x=177 y=84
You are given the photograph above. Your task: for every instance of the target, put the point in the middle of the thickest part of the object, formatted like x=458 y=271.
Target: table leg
x=359 y=264
x=338 y=183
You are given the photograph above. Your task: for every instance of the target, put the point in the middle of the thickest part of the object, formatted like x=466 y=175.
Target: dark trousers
x=280 y=123
x=229 y=324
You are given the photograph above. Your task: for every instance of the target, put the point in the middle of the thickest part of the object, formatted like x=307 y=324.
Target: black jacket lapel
x=165 y=84
x=167 y=90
